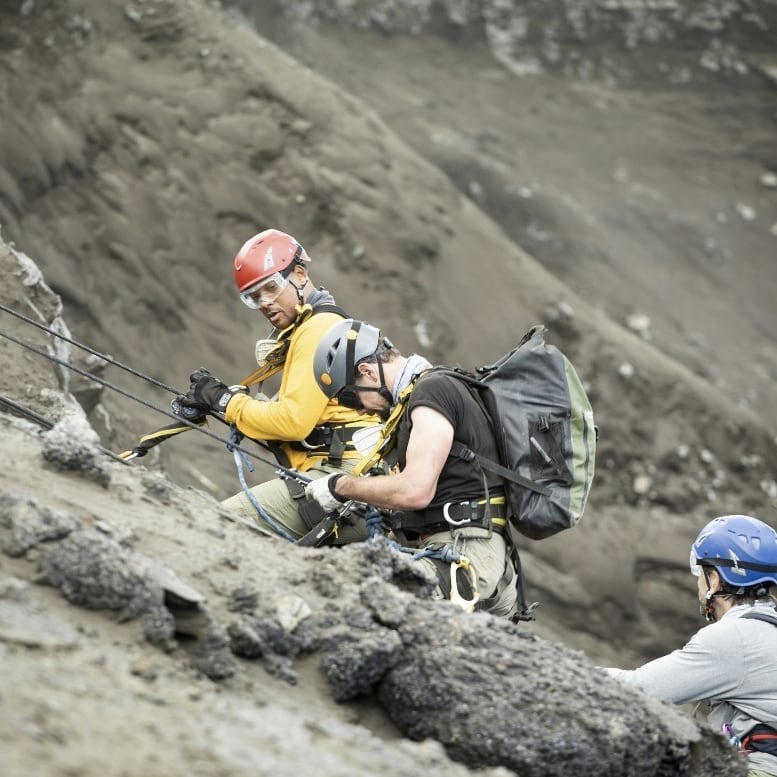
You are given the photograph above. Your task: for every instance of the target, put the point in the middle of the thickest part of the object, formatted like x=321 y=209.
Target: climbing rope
x=241 y=461
x=149 y=440
x=446 y=554
x=83 y=347
x=31 y=415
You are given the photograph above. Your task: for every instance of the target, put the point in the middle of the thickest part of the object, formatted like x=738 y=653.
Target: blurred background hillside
x=457 y=171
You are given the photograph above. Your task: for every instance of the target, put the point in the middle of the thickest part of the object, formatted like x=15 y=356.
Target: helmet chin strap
x=384 y=390
x=299 y=289
x=708 y=609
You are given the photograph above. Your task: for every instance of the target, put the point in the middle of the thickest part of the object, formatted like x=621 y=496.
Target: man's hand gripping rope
x=206 y=394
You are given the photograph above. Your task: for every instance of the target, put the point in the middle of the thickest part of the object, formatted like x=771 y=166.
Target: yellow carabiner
x=468 y=605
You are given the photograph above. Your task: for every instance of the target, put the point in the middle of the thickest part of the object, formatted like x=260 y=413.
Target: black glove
x=208 y=393
x=184 y=408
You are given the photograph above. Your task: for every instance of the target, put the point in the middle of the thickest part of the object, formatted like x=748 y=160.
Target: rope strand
x=124 y=392
x=104 y=357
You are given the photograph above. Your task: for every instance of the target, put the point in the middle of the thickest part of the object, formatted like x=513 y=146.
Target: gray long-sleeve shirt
x=732 y=664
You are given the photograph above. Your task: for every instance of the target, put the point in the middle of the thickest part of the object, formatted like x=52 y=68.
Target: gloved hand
x=207 y=393
x=182 y=407
x=322 y=491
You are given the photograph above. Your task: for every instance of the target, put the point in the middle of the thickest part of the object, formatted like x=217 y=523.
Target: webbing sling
x=275 y=358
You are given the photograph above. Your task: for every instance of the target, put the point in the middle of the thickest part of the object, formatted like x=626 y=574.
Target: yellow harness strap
x=388 y=436
x=152 y=439
x=275 y=358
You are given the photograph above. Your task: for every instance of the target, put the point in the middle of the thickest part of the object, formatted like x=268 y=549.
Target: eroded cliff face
x=143 y=630
x=142 y=144
x=578 y=38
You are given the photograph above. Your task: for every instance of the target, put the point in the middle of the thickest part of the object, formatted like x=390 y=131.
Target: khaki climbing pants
x=277 y=502
x=490 y=558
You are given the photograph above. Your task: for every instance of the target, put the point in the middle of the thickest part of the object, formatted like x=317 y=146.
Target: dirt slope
x=144 y=631
x=142 y=144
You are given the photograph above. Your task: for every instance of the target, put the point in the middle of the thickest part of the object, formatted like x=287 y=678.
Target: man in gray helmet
x=437 y=501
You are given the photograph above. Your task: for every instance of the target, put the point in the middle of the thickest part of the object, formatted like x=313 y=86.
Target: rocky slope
x=143 y=631
x=458 y=172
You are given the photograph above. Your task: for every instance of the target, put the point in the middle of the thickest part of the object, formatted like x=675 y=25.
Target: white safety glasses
x=695 y=567
x=265 y=291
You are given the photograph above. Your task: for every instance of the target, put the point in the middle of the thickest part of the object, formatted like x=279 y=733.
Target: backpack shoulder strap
x=757 y=615
x=467 y=454
x=329 y=307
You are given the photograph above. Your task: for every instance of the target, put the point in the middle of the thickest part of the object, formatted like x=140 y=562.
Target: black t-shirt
x=459 y=480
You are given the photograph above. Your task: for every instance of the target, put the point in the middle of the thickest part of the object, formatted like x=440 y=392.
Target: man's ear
x=367 y=370
x=714 y=580
x=299 y=274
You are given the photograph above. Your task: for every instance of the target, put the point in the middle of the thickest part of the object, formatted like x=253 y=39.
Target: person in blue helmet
x=732 y=663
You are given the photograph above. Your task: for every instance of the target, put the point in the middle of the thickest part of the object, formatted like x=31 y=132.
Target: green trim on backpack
x=583 y=449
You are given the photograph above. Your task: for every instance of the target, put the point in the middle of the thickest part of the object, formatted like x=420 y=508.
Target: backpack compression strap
x=468 y=455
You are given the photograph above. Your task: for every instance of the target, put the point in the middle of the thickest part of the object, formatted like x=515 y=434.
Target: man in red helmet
x=305 y=429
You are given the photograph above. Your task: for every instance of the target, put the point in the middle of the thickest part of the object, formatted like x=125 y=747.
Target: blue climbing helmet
x=741 y=548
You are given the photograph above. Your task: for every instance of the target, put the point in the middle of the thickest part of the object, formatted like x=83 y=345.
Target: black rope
x=31 y=415
x=130 y=395
x=104 y=357
x=25 y=412
x=84 y=373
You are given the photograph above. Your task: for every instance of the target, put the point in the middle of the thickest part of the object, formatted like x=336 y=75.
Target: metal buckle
x=309 y=447
x=464 y=521
x=321 y=446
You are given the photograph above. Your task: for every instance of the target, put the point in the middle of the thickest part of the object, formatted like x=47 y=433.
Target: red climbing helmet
x=271 y=254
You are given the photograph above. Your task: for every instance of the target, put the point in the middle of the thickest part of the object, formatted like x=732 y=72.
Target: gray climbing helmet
x=340 y=350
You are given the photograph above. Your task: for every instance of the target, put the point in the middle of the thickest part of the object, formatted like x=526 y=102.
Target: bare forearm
x=388 y=491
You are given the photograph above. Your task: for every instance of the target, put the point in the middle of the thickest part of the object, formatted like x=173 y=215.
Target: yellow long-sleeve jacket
x=300 y=406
